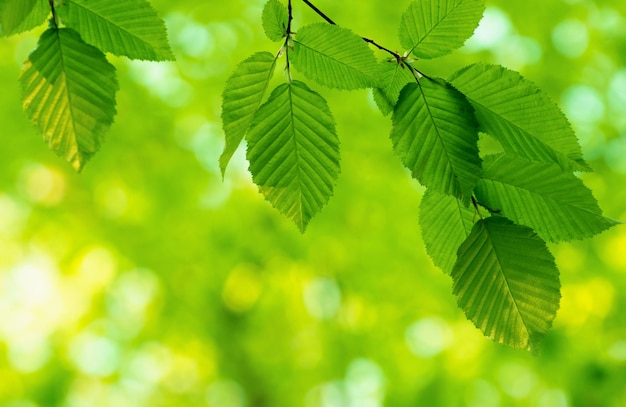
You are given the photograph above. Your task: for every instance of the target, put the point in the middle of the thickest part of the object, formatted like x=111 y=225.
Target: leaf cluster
x=485 y=219
x=69 y=87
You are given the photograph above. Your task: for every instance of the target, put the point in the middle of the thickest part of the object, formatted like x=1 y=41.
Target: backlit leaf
x=69 y=94
x=393 y=77
x=131 y=27
x=539 y=195
x=432 y=28
x=334 y=57
x=435 y=135
x=242 y=97
x=293 y=151
x=17 y=16
x=446 y=222
x=507 y=283
x=275 y=20
x=519 y=115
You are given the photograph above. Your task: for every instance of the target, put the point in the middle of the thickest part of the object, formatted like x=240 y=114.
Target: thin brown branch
x=369 y=41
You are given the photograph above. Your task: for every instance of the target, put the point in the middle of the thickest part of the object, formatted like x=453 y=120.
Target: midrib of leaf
x=396 y=73
x=66 y=87
x=107 y=21
x=439 y=138
x=508 y=287
x=458 y=206
x=296 y=149
x=434 y=27
x=329 y=57
x=267 y=83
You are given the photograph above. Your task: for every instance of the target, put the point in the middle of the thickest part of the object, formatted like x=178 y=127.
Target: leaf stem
x=417 y=74
x=475 y=203
x=54 y=14
x=288 y=40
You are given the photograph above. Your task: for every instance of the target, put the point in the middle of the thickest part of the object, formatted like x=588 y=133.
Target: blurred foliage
x=149 y=281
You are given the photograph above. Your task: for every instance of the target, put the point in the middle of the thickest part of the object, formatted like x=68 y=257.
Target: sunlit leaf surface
x=294 y=152
x=432 y=28
x=435 y=136
x=69 y=94
x=507 y=283
x=334 y=57
x=131 y=27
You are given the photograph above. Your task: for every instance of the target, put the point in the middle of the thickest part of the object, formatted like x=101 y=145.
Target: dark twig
x=288 y=39
x=54 y=14
x=475 y=203
x=319 y=12
x=369 y=41
x=399 y=58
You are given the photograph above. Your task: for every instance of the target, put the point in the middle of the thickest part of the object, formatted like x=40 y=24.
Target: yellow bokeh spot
x=96 y=268
x=242 y=289
x=116 y=200
x=11 y=385
x=615 y=251
x=580 y=302
x=43 y=185
x=569 y=258
x=359 y=315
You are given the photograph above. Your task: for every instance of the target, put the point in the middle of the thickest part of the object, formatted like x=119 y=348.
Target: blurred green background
x=149 y=281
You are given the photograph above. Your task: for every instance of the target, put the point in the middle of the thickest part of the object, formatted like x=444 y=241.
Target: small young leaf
x=520 y=116
x=436 y=136
x=393 y=78
x=17 y=16
x=293 y=151
x=275 y=20
x=242 y=97
x=131 y=27
x=69 y=94
x=507 y=283
x=432 y=28
x=334 y=57
x=446 y=223
x=539 y=195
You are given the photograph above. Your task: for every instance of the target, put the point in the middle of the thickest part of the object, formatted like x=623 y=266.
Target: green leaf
x=445 y=223
x=131 y=27
x=242 y=97
x=507 y=283
x=539 y=195
x=334 y=57
x=275 y=20
x=293 y=151
x=13 y=13
x=432 y=28
x=519 y=115
x=69 y=94
x=17 y=16
x=393 y=77
x=435 y=135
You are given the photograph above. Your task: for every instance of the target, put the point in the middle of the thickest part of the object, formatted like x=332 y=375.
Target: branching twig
x=399 y=58
x=369 y=41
